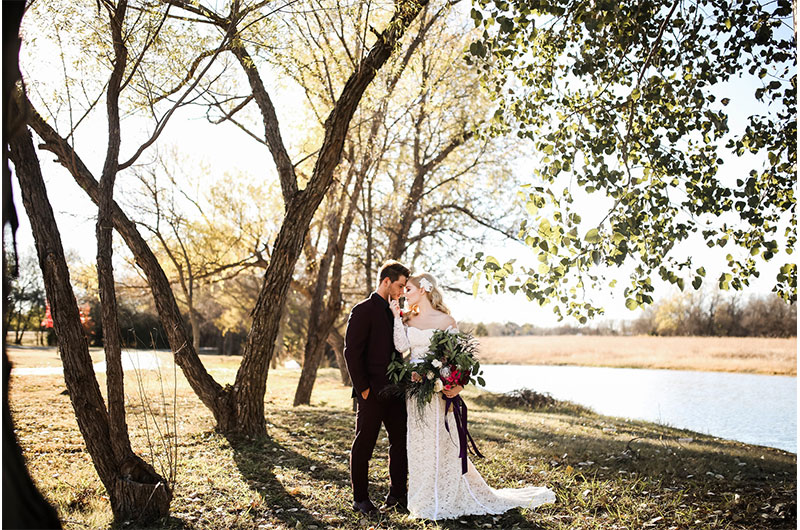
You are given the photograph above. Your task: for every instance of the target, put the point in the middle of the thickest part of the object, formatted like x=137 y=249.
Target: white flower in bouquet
x=431 y=375
x=445 y=372
x=454 y=331
x=438 y=386
x=436 y=363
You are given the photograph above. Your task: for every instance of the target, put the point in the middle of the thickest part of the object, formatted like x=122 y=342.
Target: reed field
x=720 y=354
x=608 y=473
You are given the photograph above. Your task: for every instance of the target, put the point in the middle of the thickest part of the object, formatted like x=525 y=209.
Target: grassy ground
x=607 y=473
x=720 y=354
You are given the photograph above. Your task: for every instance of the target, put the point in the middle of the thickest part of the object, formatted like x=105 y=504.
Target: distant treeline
x=687 y=314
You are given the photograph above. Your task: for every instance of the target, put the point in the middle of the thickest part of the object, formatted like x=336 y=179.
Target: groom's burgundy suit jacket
x=368 y=344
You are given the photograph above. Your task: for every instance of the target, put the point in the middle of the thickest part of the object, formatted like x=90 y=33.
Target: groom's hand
x=364 y=394
x=394 y=305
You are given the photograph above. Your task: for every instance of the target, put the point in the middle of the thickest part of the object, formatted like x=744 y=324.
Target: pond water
x=131 y=360
x=756 y=409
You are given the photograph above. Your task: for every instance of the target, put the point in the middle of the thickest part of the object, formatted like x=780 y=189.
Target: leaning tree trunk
x=25 y=505
x=135 y=490
x=315 y=349
x=120 y=443
x=251 y=379
x=240 y=409
x=211 y=393
x=316 y=329
x=18 y=329
x=323 y=317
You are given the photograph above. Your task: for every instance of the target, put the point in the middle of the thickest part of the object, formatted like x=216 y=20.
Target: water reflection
x=756 y=409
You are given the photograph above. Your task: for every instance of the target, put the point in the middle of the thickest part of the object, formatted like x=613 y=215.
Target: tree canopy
x=631 y=101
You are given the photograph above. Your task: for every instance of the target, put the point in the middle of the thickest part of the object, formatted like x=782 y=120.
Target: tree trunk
x=24 y=330
x=323 y=317
x=317 y=331
x=211 y=393
x=367 y=214
x=104 y=232
x=135 y=490
x=247 y=394
x=280 y=348
x=336 y=341
x=17 y=330
x=315 y=349
x=251 y=379
x=195 y=323
x=25 y=506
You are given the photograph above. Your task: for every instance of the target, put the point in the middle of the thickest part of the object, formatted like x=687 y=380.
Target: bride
x=437 y=489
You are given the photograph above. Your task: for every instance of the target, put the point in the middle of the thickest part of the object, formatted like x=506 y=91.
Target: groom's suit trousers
x=370 y=414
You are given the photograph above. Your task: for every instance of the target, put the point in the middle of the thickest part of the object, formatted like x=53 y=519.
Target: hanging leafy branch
x=623 y=100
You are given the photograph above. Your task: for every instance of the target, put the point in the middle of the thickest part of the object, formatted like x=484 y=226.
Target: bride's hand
x=453 y=392
x=394 y=305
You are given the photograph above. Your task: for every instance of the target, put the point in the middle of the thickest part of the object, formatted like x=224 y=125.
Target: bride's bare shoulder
x=446 y=321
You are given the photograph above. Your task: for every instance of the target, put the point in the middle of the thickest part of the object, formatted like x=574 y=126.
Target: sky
x=238 y=153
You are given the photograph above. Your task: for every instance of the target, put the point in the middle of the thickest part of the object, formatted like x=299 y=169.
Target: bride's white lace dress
x=436 y=487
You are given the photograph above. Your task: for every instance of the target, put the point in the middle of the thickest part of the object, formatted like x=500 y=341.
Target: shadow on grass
x=256 y=460
x=301 y=471
x=324 y=478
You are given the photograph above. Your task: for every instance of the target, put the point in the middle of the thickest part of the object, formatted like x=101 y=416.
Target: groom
x=368 y=350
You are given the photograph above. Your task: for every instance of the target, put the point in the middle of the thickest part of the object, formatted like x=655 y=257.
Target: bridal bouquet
x=450 y=362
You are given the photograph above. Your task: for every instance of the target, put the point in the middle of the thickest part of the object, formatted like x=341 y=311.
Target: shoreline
x=637 y=367
x=749 y=355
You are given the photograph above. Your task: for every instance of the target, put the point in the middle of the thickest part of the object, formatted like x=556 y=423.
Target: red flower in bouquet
x=455 y=377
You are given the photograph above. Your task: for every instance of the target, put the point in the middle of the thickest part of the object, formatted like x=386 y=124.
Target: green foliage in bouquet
x=451 y=361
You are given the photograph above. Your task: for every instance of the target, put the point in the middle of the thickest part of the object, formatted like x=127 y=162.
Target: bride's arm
x=401 y=342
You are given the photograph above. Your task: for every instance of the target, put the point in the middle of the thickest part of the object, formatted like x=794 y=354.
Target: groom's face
x=397 y=288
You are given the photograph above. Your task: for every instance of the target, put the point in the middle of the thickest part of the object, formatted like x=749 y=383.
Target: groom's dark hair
x=393 y=269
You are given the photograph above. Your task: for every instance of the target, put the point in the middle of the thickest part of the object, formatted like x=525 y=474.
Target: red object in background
x=84 y=311
x=47 y=321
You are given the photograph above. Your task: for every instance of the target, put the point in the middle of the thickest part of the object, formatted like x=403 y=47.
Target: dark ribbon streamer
x=460 y=415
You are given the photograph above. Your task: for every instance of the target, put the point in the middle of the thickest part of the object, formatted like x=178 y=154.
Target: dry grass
x=720 y=354
x=608 y=473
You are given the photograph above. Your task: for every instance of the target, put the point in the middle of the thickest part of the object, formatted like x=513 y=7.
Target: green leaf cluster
x=623 y=100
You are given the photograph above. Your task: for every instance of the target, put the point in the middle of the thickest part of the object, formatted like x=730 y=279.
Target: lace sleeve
x=401 y=342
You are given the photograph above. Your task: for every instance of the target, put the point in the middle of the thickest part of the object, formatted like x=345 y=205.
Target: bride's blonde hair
x=434 y=296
